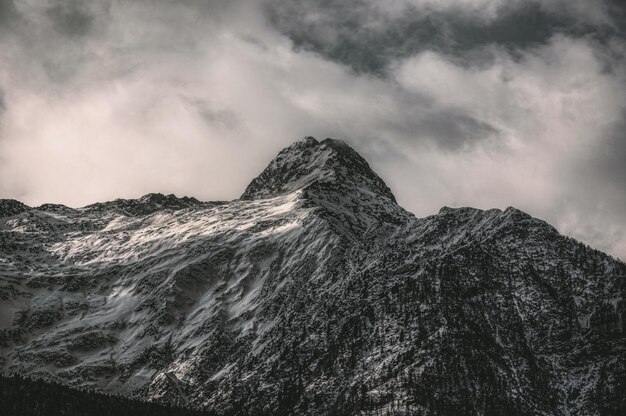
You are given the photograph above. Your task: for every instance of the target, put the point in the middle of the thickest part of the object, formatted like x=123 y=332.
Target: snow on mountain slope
x=315 y=293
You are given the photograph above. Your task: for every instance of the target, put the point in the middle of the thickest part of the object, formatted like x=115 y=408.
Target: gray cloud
x=368 y=36
x=70 y=18
x=212 y=116
x=484 y=103
x=8 y=12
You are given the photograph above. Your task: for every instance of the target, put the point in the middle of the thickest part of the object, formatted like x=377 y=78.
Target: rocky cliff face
x=315 y=293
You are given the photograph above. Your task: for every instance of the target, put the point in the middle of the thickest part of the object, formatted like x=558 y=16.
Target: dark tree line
x=29 y=397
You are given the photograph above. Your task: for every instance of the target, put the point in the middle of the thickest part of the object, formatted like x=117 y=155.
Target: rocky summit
x=315 y=293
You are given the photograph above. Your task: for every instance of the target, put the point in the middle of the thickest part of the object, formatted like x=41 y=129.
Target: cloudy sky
x=484 y=103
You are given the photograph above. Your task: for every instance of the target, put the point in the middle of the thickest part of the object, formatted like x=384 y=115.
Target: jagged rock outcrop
x=315 y=293
x=10 y=207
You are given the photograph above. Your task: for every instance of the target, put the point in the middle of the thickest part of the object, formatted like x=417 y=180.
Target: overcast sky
x=484 y=103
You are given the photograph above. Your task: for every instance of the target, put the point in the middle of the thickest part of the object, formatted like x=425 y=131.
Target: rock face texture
x=315 y=293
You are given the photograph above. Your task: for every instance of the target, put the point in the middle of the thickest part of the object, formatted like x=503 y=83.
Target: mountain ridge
x=314 y=296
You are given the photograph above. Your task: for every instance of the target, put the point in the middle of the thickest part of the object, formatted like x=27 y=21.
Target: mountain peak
x=310 y=161
x=9 y=207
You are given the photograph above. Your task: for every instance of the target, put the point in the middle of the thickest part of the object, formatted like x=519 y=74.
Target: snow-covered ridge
x=314 y=293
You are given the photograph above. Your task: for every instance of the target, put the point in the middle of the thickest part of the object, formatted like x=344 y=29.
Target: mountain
x=314 y=293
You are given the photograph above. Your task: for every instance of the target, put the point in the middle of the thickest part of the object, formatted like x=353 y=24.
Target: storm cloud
x=482 y=103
